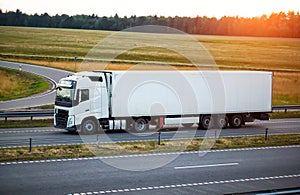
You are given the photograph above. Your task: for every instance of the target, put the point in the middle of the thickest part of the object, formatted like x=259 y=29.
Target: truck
x=134 y=100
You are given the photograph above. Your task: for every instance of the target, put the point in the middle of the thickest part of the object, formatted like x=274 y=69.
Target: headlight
x=71 y=121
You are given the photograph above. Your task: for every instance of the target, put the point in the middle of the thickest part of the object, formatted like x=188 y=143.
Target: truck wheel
x=206 y=122
x=236 y=121
x=140 y=125
x=222 y=122
x=90 y=126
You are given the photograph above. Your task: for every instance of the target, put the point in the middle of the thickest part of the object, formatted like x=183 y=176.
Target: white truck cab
x=81 y=99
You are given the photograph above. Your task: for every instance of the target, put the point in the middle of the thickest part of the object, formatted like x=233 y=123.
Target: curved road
x=51 y=136
x=51 y=74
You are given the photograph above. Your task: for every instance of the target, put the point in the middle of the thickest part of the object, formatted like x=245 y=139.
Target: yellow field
x=286 y=88
x=9 y=83
x=57 y=48
x=15 y=84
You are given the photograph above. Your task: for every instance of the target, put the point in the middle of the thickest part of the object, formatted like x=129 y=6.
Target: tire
x=222 y=122
x=90 y=126
x=206 y=122
x=187 y=125
x=140 y=125
x=236 y=121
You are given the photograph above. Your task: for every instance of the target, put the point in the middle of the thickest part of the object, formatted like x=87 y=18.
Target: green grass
x=72 y=151
x=26 y=123
x=285 y=99
x=44 y=152
x=50 y=106
x=277 y=115
x=48 y=42
x=17 y=84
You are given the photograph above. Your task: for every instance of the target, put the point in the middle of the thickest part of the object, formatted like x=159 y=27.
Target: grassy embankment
x=57 y=48
x=17 y=84
x=50 y=152
x=26 y=123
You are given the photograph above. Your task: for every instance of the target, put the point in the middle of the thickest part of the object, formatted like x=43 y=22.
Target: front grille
x=61 y=118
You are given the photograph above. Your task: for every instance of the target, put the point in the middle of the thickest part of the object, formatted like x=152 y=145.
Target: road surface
x=52 y=136
x=217 y=172
x=52 y=74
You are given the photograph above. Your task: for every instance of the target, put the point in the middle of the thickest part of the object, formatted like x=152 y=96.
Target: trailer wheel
x=206 y=122
x=90 y=126
x=222 y=122
x=236 y=121
x=140 y=125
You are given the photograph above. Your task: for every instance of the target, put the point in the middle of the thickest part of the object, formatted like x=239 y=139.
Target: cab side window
x=84 y=93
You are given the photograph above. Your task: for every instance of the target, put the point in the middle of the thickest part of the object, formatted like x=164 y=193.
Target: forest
x=275 y=25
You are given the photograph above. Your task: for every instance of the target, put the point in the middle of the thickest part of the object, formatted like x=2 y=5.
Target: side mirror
x=59 y=88
x=100 y=79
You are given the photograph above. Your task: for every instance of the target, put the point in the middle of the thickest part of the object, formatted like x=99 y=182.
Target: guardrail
x=285 y=108
x=29 y=114
x=50 y=113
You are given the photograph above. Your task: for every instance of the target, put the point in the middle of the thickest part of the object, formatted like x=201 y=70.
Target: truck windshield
x=65 y=96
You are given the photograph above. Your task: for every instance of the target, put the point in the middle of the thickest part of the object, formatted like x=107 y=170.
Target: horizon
x=40 y=14
x=187 y=8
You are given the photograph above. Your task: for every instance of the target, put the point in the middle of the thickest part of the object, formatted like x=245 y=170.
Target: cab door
x=96 y=100
x=83 y=109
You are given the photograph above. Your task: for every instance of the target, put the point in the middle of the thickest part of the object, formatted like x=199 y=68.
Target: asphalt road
x=218 y=172
x=52 y=74
x=52 y=136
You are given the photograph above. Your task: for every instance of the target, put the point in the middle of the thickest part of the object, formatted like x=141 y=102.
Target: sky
x=192 y=8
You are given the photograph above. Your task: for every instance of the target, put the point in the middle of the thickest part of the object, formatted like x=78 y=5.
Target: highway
x=216 y=172
x=52 y=136
x=52 y=74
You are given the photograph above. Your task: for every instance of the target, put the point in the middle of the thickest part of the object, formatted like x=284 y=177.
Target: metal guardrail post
x=266 y=135
x=30 y=144
x=158 y=141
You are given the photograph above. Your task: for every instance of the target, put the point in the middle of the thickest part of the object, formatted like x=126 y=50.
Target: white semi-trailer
x=133 y=100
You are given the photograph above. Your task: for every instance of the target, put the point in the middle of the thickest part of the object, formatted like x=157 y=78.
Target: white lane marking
x=149 y=155
x=204 y=166
x=191 y=184
x=275 y=121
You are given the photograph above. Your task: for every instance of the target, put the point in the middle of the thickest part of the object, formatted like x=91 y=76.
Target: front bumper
x=73 y=128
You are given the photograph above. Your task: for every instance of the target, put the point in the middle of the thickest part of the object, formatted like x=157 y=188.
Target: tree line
x=276 y=25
